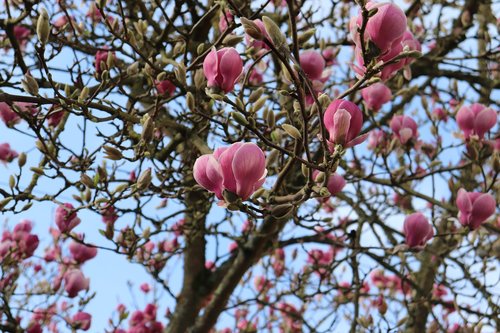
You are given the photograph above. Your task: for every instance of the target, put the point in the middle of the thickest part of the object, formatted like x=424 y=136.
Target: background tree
x=313 y=165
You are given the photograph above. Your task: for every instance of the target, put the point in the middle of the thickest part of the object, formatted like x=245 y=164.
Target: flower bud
x=43 y=27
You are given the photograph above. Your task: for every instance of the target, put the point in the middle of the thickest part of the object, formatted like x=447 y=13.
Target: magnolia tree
x=274 y=166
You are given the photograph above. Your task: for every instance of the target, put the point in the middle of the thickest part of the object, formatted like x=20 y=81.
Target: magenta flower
x=224 y=19
x=384 y=29
x=9 y=117
x=7 y=154
x=440 y=114
x=22 y=35
x=223 y=68
x=82 y=320
x=335 y=182
x=343 y=121
x=74 y=282
x=376 y=95
x=101 y=58
x=474 y=208
x=476 y=119
x=81 y=252
x=165 y=88
x=66 y=218
x=239 y=168
x=417 y=230
x=312 y=64
x=404 y=128
x=208 y=174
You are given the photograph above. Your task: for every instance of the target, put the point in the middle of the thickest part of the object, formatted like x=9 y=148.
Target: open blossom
x=165 y=88
x=82 y=320
x=343 y=121
x=384 y=29
x=94 y=13
x=376 y=95
x=404 y=128
x=21 y=243
x=81 y=252
x=474 y=208
x=101 y=58
x=239 y=168
x=74 y=282
x=440 y=114
x=335 y=182
x=22 y=35
x=313 y=64
x=224 y=19
x=7 y=154
x=387 y=33
x=11 y=117
x=223 y=68
x=66 y=218
x=417 y=230
x=476 y=119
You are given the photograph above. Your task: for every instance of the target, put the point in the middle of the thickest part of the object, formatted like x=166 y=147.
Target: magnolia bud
x=239 y=118
x=190 y=101
x=251 y=29
x=112 y=153
x=29 y=84
x=87 y=181
x=292 y=131
x=147 y=128
x=144 y=180
x=21 y=160
x=43 y=27
x=274 y=32
x=306 y=35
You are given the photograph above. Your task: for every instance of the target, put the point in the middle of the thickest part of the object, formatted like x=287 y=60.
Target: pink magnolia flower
x=22 y=35
x=165 y=88
x=440 y=114
x=408 y=41
x=404 y=128
x=313 y=64
x=55 y=116
x=145 y=288
x=74 y=282
x=108 y=213
x=224 y=19
x=9 y=117
x=376 y=139
x=81 y=252
x=417 y=230
x=476 y=119
x=376 y=95
x=384 y=29
x=100 y=62
x=335 y=183
x=81 y=320
x=223 y=68
x=474 y=208
x=7 y=154
x=66 y=218
x=94 y=14
x=329 y=54
x=343 y=121
x=239 y=168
